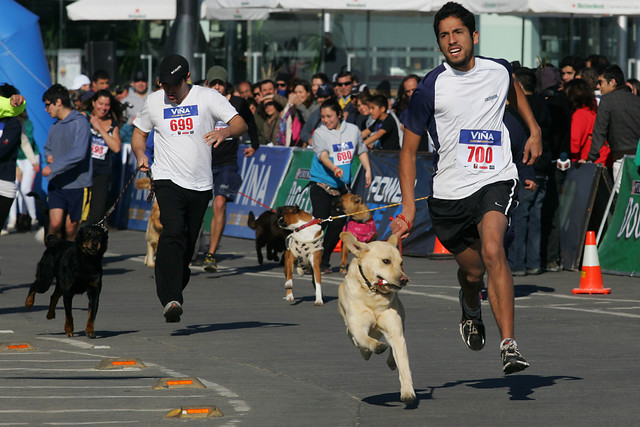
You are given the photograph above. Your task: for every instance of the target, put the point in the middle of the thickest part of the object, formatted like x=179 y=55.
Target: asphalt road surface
x=265 y=362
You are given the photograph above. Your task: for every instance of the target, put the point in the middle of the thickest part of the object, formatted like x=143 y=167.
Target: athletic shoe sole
x=172 y=312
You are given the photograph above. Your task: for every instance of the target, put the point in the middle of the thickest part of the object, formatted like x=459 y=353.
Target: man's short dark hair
x=527 y=78
x=266 y=82
x=456 y=10
x=575 y=62
x=344 y=73
x=613 y=72
x=99 y=74
x=55 y=92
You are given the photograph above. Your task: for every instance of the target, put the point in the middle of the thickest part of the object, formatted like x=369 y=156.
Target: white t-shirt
x=180 y=153
x=463 y=113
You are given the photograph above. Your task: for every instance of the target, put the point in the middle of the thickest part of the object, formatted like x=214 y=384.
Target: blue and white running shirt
x=463 y=113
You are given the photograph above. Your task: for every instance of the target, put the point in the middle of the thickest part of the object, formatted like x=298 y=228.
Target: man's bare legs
x=489 y=254
x=56 y=219
x=217 y=226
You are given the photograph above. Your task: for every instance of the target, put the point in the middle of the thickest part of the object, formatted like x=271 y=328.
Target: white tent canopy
x=550 y=7
x=121 y=10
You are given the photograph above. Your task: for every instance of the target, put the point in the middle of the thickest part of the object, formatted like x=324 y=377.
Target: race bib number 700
x=480 y=150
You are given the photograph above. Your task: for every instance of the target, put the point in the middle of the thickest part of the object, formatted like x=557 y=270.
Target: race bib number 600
x=183 y=120
x=480 y=150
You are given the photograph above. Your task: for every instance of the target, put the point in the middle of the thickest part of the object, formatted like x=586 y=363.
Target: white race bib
x=183 y=120
x=343 y=153
x=480 y=150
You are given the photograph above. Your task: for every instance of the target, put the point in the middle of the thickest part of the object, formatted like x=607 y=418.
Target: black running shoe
x=172 y=312
x=471 y=328
x=512 y=360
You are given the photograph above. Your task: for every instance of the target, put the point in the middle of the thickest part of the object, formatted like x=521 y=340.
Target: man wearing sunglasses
x=344 y=88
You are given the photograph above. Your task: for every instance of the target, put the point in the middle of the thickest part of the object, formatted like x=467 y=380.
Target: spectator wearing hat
x=81 y=82
x=226 y=179
x=186 y=120
x=134 y=101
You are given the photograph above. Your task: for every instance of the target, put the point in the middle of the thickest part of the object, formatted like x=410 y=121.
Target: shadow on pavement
x=519 y=387
x=212 y=327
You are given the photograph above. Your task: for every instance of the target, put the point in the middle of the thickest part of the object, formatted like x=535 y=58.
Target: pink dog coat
x=363 y=231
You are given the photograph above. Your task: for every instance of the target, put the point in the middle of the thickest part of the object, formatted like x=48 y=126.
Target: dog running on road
x=304 y=248
x=77 y=268
x=369 y=304
x=268 y=234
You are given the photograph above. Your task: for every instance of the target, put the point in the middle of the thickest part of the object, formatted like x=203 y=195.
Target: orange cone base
x=591 y=282
x=338 y=247
x=591 y=291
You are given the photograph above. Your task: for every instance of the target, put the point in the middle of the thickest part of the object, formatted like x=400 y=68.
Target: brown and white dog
x=360 y=223
x=369 y=304
x=304 y=248
x=154 y=226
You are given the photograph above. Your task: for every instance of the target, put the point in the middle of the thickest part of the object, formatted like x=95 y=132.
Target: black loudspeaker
x=102 y=56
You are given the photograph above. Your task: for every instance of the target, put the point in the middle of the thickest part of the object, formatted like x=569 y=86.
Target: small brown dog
x=304 y=248
x=369 y=304
x=154 y=226
x=360 y=223
x=268 y=234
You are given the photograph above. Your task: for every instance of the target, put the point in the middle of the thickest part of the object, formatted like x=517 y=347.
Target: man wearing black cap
x=184 y=119
x=226 y=179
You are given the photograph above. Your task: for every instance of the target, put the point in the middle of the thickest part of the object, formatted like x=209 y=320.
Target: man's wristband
x=335 y=169
x=404 y=219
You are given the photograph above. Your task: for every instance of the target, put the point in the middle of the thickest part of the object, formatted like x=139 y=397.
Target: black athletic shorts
x=456 y=221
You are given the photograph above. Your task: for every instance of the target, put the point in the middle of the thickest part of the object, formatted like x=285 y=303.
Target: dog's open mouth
x=390 y=286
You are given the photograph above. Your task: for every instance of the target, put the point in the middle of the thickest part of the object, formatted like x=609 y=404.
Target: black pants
x=322 y=204
x=181 y=214
x=5 y=207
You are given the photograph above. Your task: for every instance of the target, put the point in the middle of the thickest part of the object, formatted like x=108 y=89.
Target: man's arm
x=533 y=146
x=407 y=175
x=138 y=146
x=600 y=131
x=237 y=127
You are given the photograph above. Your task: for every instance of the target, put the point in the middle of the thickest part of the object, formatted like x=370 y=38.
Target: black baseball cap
x=139 y=76
x=173 y=69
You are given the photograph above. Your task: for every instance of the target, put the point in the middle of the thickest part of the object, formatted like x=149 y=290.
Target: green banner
x=620 y=248
x=294 y=190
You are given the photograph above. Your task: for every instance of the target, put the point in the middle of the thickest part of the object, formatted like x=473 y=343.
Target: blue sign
x=262 y=175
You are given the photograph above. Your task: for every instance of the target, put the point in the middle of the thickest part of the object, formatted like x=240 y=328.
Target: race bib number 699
x=183 y=120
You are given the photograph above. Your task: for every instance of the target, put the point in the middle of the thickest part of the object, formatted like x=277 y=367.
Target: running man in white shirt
x=461 y=104
x=184 y=118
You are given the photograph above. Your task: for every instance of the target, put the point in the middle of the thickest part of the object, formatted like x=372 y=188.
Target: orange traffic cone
x=591 y=277
x=338 y=247
x=439 y=251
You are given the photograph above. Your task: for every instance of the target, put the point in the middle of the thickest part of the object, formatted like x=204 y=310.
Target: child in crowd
x=383 y=134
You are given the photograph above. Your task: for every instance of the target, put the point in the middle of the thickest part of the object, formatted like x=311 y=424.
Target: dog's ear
x=352 y=243
x=393 y=239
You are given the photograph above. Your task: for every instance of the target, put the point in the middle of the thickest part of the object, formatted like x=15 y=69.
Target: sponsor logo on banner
x=303 y=174
x=299 y=195
x=385 y=190
x=630 y=226
x=635 y=188
x=255 y=181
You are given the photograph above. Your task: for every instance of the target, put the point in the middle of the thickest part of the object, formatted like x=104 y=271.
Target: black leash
x=113 y=207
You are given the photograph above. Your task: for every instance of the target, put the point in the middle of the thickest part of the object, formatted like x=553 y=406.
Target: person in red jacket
x=583 y=118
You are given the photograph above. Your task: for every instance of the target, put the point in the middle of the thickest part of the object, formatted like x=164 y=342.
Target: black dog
x=77 y=268
x=268 y=234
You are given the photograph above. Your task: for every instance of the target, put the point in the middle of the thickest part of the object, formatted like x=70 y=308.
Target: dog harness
x=363 y=231
x=302 y=250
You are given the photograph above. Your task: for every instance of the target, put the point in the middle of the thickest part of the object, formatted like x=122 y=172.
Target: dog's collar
x=309 y=224
x=373 y=287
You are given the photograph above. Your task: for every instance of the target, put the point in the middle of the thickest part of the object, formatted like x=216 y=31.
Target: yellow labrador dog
x=369 y=304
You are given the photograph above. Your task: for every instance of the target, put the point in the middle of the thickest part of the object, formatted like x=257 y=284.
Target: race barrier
x=277 y=176
x=620 y=246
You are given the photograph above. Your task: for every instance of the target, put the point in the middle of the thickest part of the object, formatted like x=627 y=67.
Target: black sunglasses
x=344 y=83
x=267 y=104
x=282 y=84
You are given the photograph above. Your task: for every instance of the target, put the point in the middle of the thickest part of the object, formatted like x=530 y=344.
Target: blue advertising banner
x=385 y=190
x=262 y=175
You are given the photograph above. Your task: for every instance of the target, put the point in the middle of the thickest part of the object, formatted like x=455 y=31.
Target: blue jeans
x=524 y=251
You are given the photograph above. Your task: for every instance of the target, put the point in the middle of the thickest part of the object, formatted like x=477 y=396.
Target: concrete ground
x=265 y=362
